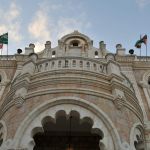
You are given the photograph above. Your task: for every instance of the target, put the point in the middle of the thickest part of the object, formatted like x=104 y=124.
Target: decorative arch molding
x=145 y=84
x=76 y=34
x=24 y=139
x=136 y=130
x=146 y=76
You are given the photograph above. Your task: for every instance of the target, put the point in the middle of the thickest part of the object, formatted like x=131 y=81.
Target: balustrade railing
x=66 y=63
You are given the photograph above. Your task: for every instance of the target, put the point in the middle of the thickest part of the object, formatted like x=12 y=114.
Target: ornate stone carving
x=19 y=97
x=19 y=100
x=119 y=101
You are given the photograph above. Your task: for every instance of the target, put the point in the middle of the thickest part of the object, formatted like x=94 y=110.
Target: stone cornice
x=141 y=65
x=134 y=103
x=70 y=71
x=119 y=85
x=70 y=80
x=127 y=58
x=70 y=90
x=136 y=112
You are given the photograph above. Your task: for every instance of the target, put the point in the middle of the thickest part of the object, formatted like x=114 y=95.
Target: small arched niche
x=76 y=46
x=75 y=43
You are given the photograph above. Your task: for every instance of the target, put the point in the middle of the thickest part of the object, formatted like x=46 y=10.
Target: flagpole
x=146 y=51
x=1 y=51
x=140 y=53
x=7 y=47
x=140 y=47
x=7 y=51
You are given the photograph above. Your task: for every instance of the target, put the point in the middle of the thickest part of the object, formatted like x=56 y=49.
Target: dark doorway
x=67 y=133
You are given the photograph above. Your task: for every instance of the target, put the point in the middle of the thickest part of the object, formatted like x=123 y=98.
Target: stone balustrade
x=7 y=57
x=71 y=63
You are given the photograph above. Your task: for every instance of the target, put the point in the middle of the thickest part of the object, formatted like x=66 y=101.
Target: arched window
x=96 y=54
x=66 y=63
x=81 y=64
x=59 y=64
x=94 y=65
x=88 y=65
x=74 y=43
x=40 y=68
x=53 y=64
x=74 y=63
x=53 y=54
x=46 y=66
x=101 y=68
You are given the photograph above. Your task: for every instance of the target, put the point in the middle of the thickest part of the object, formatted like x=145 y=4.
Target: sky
x=111 y=21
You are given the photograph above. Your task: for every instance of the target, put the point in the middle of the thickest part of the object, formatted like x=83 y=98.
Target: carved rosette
x=119 y=101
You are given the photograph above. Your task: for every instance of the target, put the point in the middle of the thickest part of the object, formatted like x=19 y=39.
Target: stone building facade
x=76 y=97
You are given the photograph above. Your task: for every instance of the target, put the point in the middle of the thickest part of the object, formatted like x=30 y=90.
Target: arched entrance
x=67 y=132
x=97 y=123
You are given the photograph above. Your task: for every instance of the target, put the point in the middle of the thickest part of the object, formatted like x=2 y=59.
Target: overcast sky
x=37 y=21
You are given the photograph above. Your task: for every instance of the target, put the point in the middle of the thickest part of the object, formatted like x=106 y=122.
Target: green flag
x=4 y=38
x=138 y=44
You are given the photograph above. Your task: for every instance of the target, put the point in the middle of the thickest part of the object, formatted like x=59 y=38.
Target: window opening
x=81 y=64
x=53 y=54
x=149 y=80
x=0 y=78
x=94 y=65
x=66 y=63
x=74 y=63
x=96 y=54
x=53 y=63
x=88 y=65
x=59 y=64
x=75 y=44
x=46 y=66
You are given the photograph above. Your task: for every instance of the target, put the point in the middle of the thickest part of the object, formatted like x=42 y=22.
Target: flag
x=4 y=38
x=1 y=45
x=144 y=39
x=138 y=44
